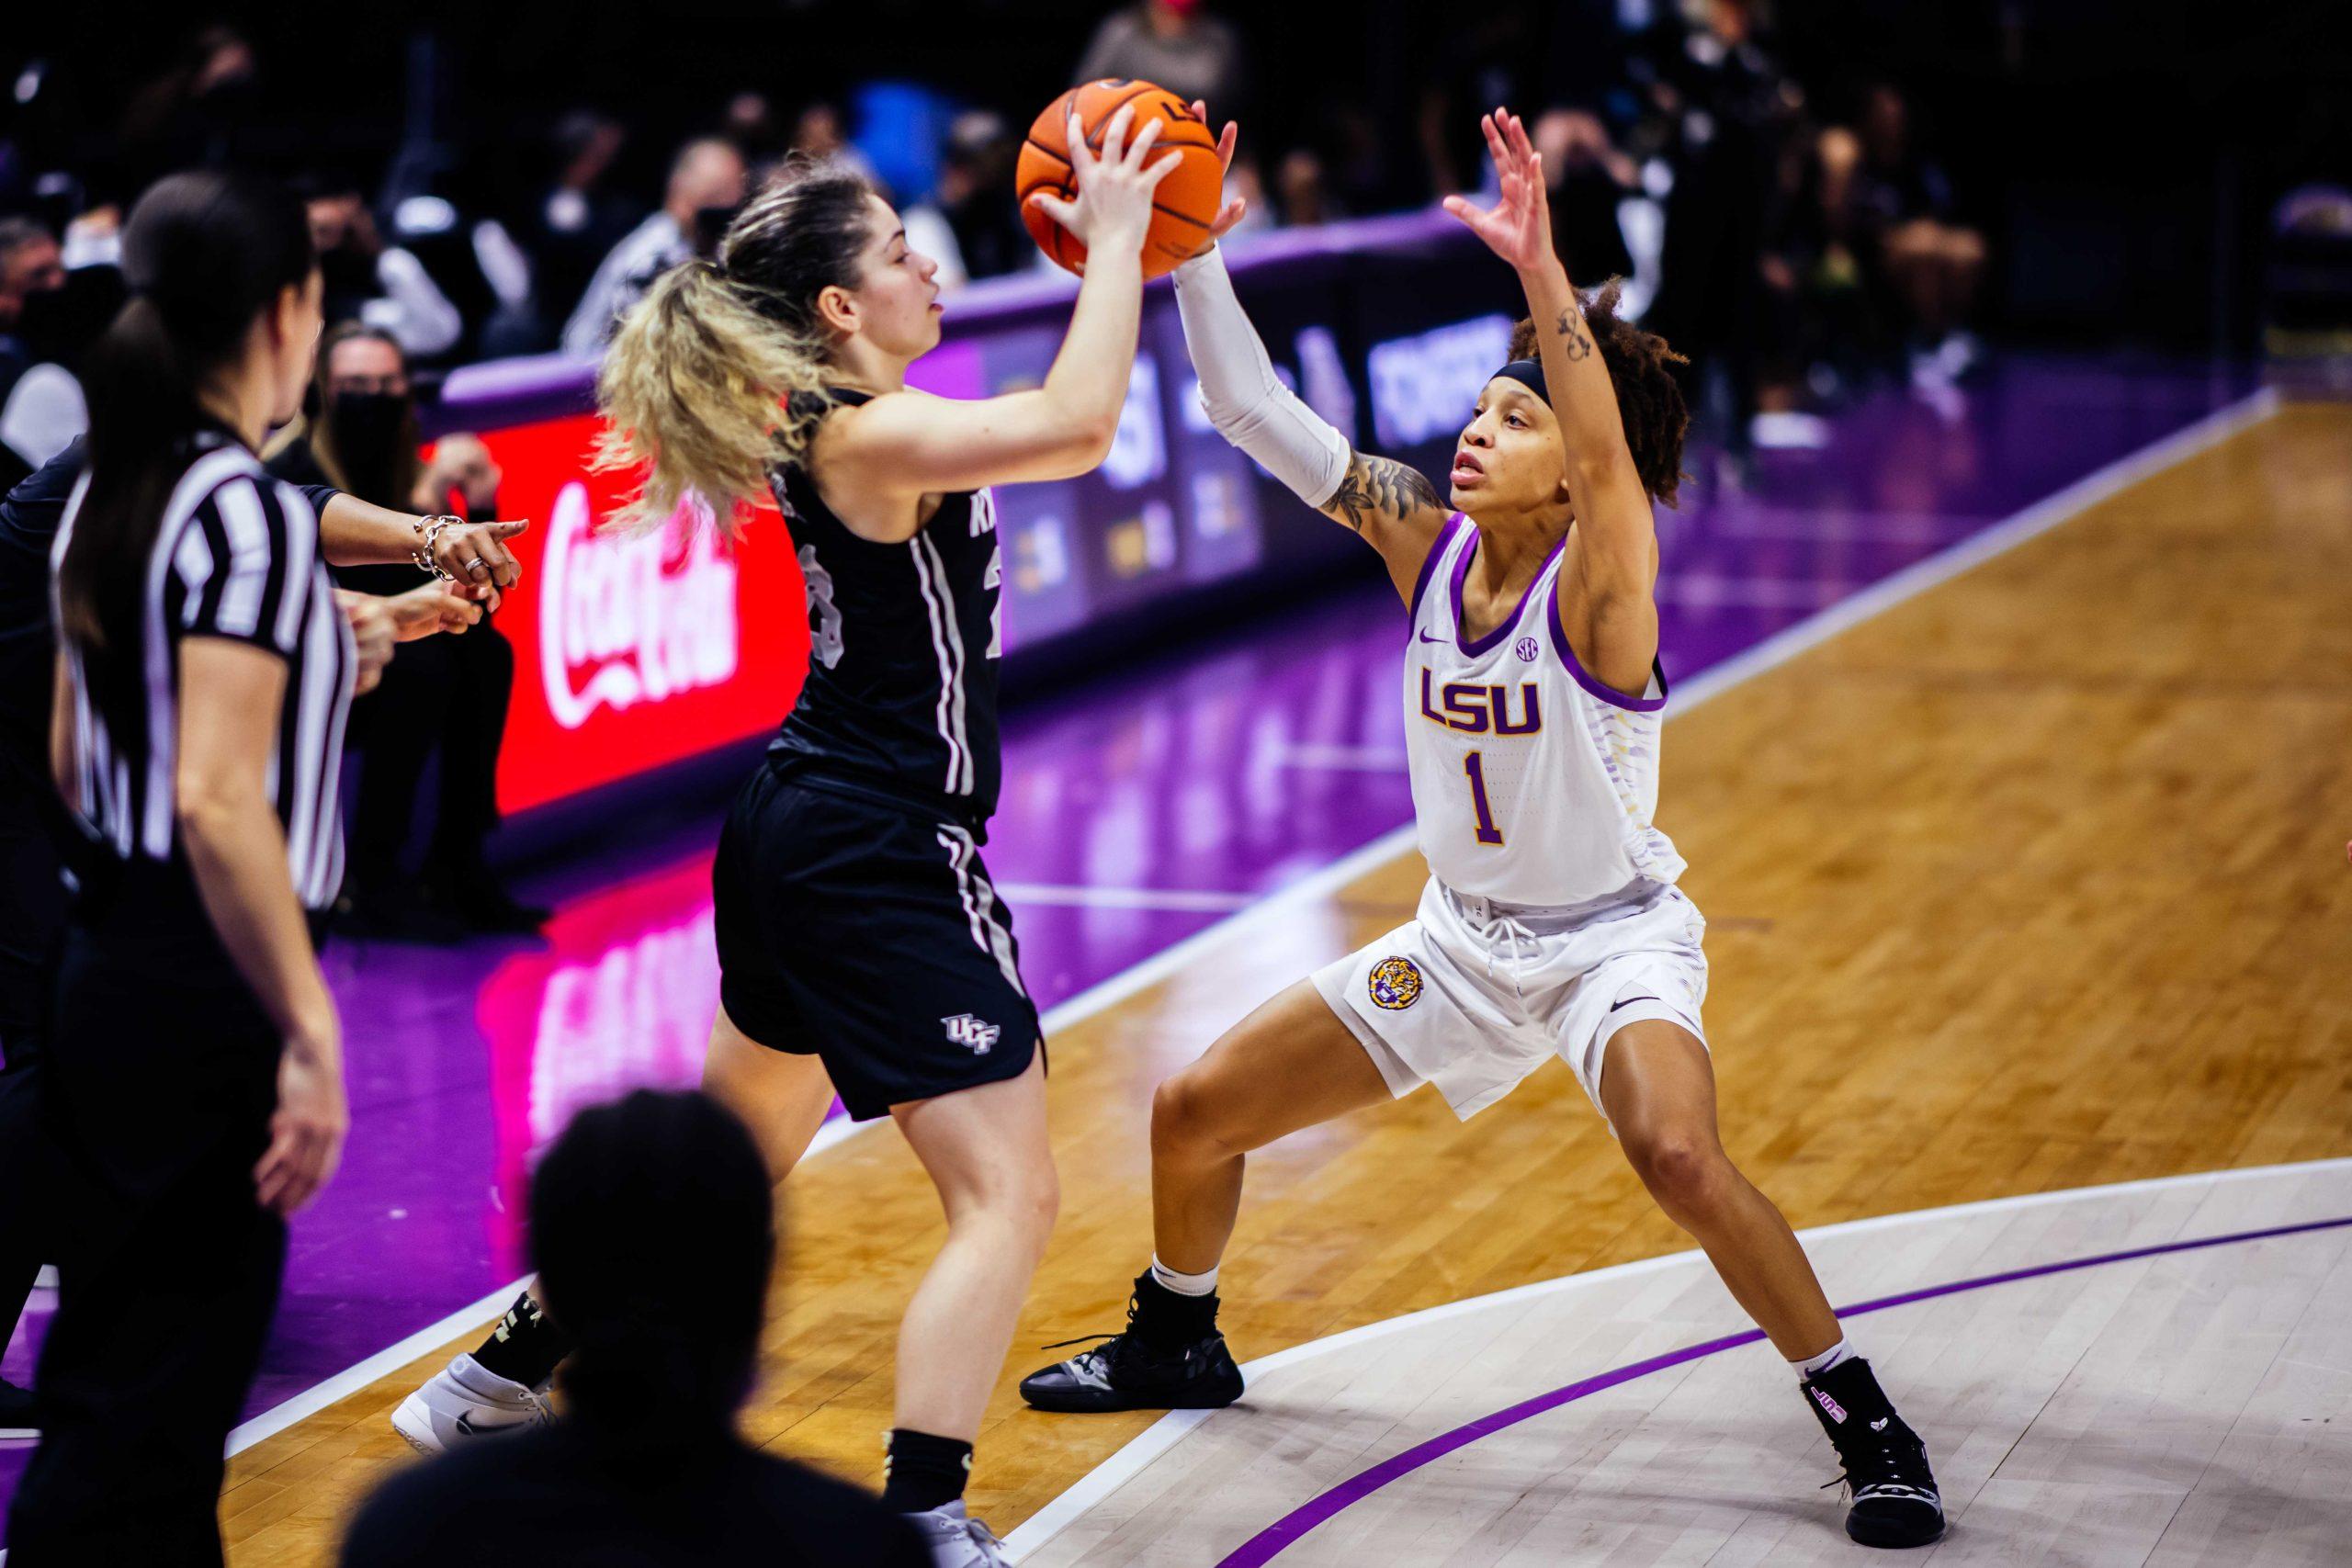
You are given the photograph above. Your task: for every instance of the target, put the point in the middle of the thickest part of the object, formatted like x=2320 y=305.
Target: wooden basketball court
x=2034 y=882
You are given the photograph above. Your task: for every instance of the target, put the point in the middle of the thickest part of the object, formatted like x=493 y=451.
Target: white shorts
x=1473 y=996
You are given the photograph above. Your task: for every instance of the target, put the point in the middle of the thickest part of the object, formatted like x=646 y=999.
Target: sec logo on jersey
x=1396 y=984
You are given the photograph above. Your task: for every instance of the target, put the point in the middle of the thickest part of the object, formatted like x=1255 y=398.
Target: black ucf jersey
x=904 y=639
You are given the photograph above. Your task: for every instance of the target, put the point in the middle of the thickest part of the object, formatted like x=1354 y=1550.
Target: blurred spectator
x=1588 y=177
x=1245 y=180
x=708 y=182
x=653 y=1233
x=42 y=412
x=368 y=280
x=1932 y=262
x=752 y=123
x=1176 y=44
x=30 y=263
x=94 y=238
x=1303 y=194
x=1728 y=106
x=361 y=436
x=203 y=111
x=1829 y=247
x=972 y=227
x=817 y=133
x=1472 y=60
x=576 y=221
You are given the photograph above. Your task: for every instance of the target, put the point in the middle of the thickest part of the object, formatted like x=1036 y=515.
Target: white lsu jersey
x=1533 y=783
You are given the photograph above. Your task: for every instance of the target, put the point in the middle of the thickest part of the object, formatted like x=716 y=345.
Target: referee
x=34 y=827
x=192 y=1075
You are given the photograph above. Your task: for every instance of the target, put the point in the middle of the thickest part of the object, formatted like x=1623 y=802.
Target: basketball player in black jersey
x=862 y=946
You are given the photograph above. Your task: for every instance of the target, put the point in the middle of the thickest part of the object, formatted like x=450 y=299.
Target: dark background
x=2121 y=156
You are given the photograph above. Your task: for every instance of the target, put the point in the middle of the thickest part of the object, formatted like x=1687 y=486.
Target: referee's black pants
x=159 y=1081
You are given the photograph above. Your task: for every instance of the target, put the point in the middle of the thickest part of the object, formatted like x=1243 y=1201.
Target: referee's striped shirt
x=237 y=557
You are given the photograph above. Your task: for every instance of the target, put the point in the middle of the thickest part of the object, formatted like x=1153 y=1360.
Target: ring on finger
x=477 y=565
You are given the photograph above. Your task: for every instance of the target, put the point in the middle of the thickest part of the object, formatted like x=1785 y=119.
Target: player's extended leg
x=1659 y=1089
x=780 y=1096
x=1290 y=1065
x=986 y=1153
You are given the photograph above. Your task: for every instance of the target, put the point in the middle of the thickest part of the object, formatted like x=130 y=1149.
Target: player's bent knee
x=1187 y=1123
x=1688 y=1176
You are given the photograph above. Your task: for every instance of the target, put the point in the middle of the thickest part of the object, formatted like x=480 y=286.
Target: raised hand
x=1234 y=211
x=1518 y=228
x=1114 y=186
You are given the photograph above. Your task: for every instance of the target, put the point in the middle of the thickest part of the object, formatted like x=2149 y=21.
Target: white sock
x=1183 y=1284
x=1814 y=1366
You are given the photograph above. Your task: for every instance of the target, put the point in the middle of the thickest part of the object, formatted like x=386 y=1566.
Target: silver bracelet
x=428 y=533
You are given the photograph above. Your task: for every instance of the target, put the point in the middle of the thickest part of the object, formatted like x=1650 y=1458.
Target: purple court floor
x=1136 y=811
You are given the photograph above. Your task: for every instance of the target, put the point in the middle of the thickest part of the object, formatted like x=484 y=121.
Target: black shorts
x=869 y=936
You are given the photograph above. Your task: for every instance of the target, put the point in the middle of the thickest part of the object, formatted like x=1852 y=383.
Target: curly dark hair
x=1649 y=398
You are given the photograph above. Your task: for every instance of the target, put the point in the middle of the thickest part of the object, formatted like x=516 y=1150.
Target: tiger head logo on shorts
x=1396 y=984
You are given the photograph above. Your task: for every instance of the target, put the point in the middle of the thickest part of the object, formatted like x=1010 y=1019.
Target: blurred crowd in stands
x=1794 y=249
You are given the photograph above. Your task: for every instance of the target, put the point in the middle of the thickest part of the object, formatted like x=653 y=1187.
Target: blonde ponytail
x=694 y=390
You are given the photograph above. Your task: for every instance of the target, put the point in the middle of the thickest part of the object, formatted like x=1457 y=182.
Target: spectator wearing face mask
x=709 y=176
x=367 y=280
x=361 y=437
x=30 y=263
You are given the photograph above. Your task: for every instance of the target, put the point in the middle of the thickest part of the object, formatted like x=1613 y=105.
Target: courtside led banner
x=632 y=651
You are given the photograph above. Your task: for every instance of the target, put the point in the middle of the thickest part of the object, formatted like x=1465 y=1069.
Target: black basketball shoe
x=1171 y=1357
x=1894 y=1499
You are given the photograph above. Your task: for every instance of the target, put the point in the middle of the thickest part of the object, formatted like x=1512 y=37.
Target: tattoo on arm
x=1578 y=344
x=1378 y=485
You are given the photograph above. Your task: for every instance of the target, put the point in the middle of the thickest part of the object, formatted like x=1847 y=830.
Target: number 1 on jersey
x=1475 y=765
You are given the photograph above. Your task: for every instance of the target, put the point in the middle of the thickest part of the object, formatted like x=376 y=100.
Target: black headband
x=1527 y=373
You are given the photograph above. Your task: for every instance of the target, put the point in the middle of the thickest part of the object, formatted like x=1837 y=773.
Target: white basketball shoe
x=462 y=1401
x=959 y=1540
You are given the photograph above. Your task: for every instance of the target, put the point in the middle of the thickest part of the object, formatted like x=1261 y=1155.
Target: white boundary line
x=1172 y=1428
x=1913 y=579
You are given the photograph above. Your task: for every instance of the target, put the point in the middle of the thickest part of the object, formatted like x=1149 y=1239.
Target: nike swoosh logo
x=1425 y=638
x=1629 y=1001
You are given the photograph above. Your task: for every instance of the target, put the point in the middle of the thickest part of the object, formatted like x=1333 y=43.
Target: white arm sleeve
x=1240 y=394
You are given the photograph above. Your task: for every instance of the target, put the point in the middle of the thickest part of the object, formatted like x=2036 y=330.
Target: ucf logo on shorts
x=1396 y=984
x=977 y=1036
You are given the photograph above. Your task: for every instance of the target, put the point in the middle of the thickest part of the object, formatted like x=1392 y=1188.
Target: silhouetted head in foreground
x=653 y=1232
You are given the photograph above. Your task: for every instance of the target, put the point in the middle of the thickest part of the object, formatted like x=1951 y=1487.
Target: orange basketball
x=1184 y=205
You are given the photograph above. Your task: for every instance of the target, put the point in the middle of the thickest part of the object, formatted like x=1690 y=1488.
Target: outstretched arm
x=1396 y=510
x=1606 y=595
x=910 y=443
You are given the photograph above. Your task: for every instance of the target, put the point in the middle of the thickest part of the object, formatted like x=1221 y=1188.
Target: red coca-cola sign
x=631 y=651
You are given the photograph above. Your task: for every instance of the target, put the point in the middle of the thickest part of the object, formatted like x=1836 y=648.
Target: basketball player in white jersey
x=1551 y=924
